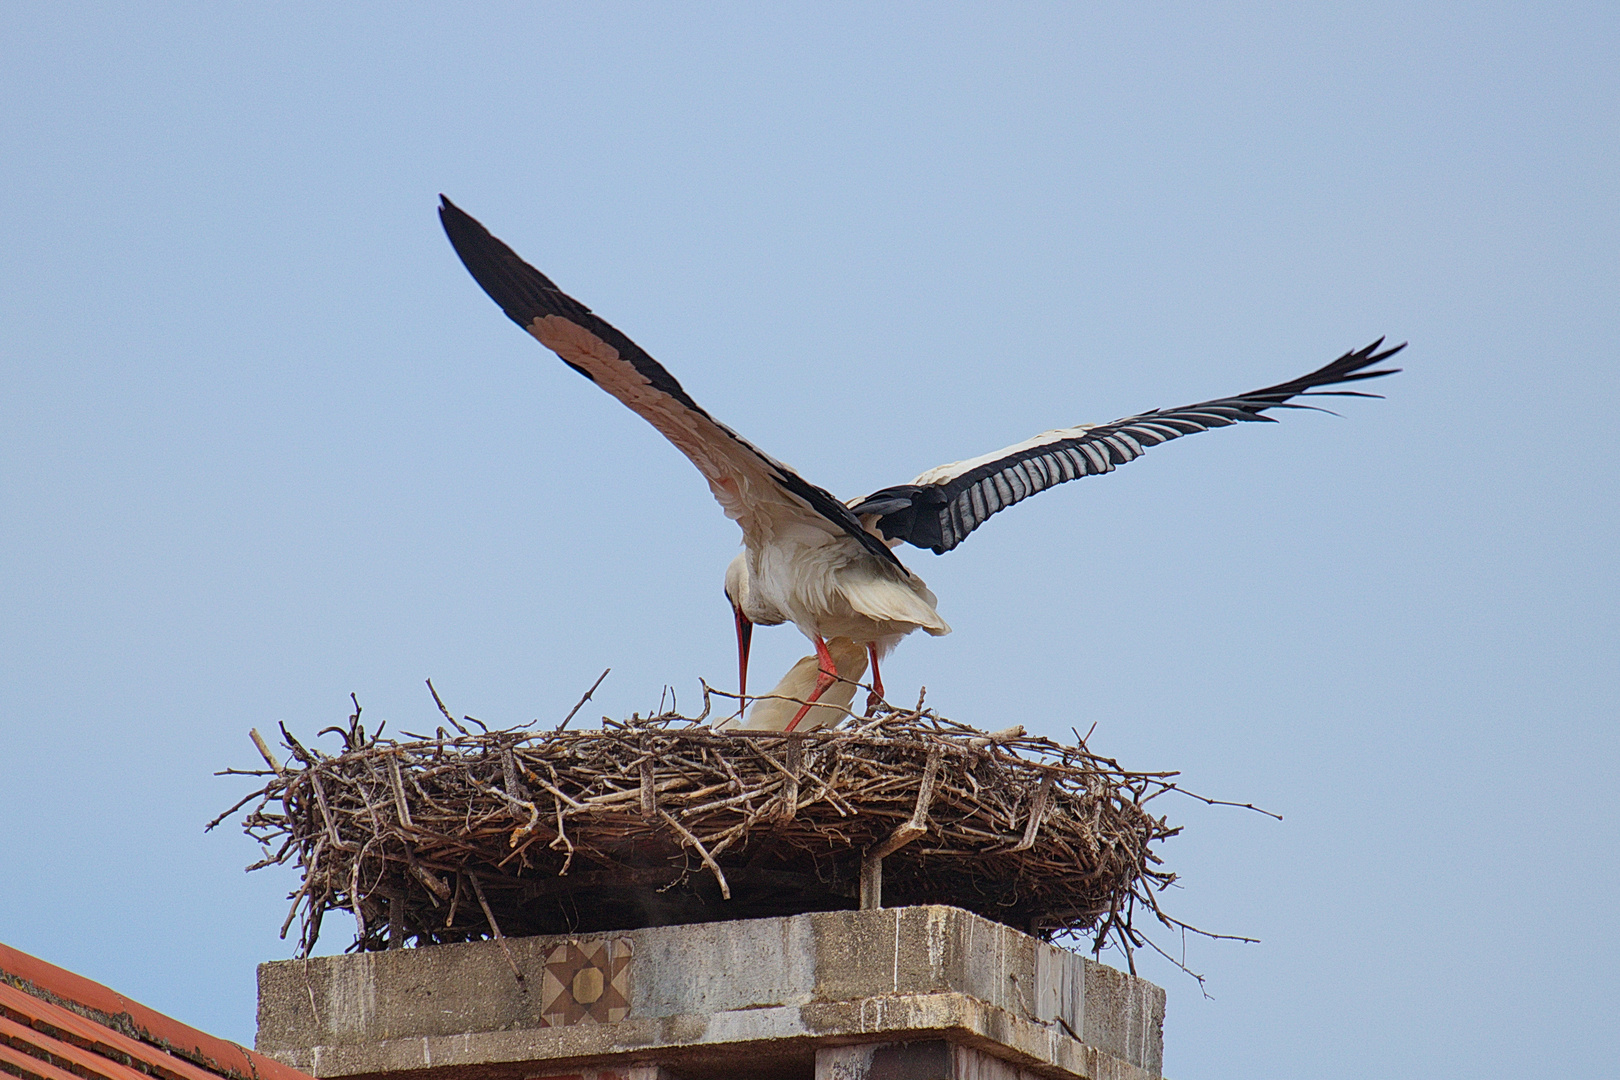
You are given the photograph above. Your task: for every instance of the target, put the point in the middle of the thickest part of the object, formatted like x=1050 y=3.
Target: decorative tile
x=586 y=982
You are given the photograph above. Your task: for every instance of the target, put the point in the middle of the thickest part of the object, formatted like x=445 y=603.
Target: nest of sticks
x=475 y=834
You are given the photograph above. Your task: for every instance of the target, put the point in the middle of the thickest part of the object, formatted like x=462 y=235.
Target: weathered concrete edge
x=787 y=962
x=957 y=1016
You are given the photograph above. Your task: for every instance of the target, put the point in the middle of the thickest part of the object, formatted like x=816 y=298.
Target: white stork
x=807 y=558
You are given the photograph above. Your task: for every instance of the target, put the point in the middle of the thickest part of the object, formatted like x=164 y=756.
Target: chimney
x=907 y=993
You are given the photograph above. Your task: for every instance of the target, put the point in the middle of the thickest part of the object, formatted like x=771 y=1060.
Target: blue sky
x=266 y=443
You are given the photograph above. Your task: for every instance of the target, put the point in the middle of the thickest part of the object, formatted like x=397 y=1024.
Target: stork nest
x=476 y=834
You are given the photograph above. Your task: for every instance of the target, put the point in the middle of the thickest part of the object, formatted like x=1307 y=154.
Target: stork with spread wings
x=824 y=565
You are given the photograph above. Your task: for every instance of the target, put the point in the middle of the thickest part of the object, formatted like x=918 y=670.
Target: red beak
x=745 y=635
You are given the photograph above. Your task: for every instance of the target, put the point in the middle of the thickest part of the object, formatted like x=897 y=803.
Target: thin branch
x=1219 y=802
x=495 y=927
x=581 y=704
x=444 y=711
x=703 y=853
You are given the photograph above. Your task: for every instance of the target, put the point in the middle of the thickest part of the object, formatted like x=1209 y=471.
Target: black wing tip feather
x=1351 y=367
x=523 y=292
x=461 y=225
x=931 y=519
x=466 y=232
x=486 y=258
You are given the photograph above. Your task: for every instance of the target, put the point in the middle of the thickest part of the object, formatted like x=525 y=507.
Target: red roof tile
x=55 y=1025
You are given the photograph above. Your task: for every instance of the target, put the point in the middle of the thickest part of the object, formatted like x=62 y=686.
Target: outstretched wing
x=753 y=488
x=942 y=506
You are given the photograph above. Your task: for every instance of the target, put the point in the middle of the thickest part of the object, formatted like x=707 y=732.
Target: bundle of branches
x=474 y=834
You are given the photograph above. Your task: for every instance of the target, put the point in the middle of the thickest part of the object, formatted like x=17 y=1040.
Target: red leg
x=827 y=676
x=876 y=696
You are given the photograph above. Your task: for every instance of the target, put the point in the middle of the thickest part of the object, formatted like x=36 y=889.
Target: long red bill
x=745 y=635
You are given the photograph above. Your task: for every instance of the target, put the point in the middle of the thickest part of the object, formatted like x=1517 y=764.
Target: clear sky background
x=266 y=443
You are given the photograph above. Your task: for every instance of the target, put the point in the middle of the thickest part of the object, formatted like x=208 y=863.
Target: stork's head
x=737 y=594
x=737 y=580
